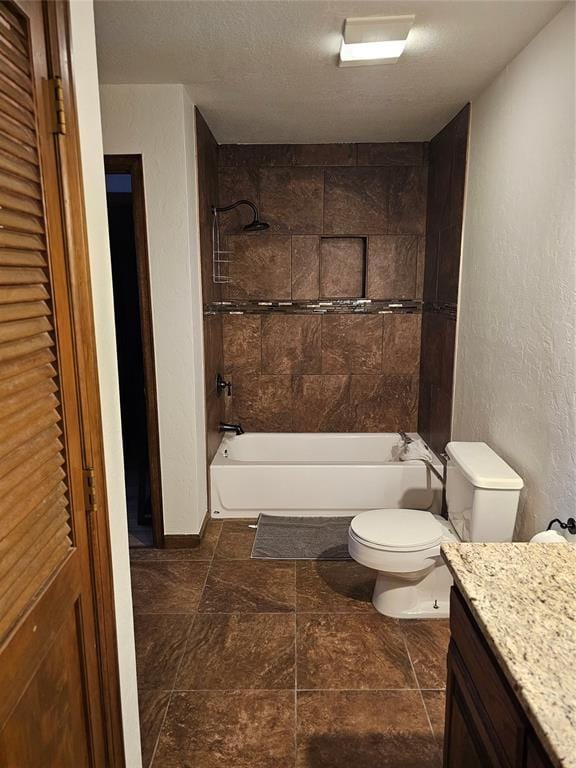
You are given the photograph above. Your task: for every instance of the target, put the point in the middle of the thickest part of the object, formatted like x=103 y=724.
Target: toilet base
x=427 y=598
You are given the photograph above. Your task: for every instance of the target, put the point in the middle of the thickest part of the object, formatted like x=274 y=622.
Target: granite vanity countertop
x=523 y=598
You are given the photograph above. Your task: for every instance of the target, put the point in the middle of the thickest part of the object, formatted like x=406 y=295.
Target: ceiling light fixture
x=374 y=40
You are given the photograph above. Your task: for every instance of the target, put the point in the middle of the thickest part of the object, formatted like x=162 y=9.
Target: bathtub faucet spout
x=236 y=428
x=406 y=439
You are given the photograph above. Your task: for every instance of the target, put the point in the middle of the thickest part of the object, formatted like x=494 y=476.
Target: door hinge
x=58 y=107
x=90 y=490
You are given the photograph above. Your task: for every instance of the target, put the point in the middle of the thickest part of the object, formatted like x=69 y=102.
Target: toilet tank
x=482 y=493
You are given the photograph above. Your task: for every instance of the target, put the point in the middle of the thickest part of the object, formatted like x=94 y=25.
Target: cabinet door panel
x=463 y=749
x=496 y=700
x=468 y=741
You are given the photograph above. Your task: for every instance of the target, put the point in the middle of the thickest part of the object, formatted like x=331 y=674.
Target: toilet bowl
x=403 y=545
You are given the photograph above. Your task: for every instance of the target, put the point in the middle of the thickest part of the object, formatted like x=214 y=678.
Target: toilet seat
x=397 y=530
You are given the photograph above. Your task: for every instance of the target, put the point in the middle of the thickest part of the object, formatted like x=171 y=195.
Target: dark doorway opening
x=134 y=348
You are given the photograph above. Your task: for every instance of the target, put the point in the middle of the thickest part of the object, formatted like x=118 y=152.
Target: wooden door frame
x=67 y=147
x=132 y=165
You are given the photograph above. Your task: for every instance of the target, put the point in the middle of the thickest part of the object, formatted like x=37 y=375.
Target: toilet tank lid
x=483 y=467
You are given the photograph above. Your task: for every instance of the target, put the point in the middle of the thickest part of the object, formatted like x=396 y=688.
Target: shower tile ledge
x=521 y=596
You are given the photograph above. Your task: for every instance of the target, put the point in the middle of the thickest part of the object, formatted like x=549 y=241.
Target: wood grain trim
x=68 y=148
x=132 y=164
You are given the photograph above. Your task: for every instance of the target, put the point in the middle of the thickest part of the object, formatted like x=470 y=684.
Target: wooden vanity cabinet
x=485 y=725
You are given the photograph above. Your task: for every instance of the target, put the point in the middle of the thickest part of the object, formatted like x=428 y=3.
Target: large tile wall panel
x=392 y=267
x=325 y=154
x=407 y=200
x=322 y=404
x=445 y=205
x=242 y=338
x=237 y=183
x=291 y=344
x=207 y=153
x=333 y=373
x=305 y=267
x=346 y=221
x=260 y=266
x=351 y=344
x=384 y=403
x=256 y=155
x=445 y=208
x=356 y=201
x=401 y=344
x=292 y=199
x=398 y=153
x=214 y=364
x=207 y=158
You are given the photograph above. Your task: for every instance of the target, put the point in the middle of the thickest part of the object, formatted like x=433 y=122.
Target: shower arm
x=231 y=207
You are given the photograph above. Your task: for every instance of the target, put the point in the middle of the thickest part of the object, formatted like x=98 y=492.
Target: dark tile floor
x=255 y=664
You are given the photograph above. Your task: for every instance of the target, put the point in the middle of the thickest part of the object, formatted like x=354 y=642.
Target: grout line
x=172 y=689
x=295 y=665
x=193 y=617
x=323 y=203
x=291 y=267
x=244 y=613
x=357 y=690
x=153 y=756
x=165 y=613
x=298 y=690
x=419 y=688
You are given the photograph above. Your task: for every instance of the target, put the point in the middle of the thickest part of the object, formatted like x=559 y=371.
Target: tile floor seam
x=232 y=690
x=434 y=690
x=295 y=661
x=298 y=690
x=153 y=756
x=296 y=695
x=195 y=613
x=419 y=689
x=193 y=616
x=189 y=632
x=165 y=613
x=242 y=613
x=358 y=690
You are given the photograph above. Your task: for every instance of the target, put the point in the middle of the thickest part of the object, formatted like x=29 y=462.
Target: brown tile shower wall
x=446 y=182
x=346 y=221
x=335 y=373
x=207 y=158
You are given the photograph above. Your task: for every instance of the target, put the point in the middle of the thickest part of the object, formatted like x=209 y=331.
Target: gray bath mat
x=301 y=538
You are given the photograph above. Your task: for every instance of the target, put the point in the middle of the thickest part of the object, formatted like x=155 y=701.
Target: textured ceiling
x=265 y=70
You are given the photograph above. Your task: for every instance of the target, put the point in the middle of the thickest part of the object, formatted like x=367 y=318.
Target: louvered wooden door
x=50 y=698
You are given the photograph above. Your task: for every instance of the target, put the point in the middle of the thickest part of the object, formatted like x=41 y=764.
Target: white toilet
x=403 y=545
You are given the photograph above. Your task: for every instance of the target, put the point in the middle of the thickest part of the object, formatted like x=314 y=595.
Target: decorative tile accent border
x=449 y=310
x=336 y=306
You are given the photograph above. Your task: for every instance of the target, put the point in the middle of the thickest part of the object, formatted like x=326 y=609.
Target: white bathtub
x=317 y=474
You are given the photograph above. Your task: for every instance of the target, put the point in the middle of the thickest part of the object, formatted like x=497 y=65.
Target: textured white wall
x=515 y=378
x=86 y=86
x=154 y=121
